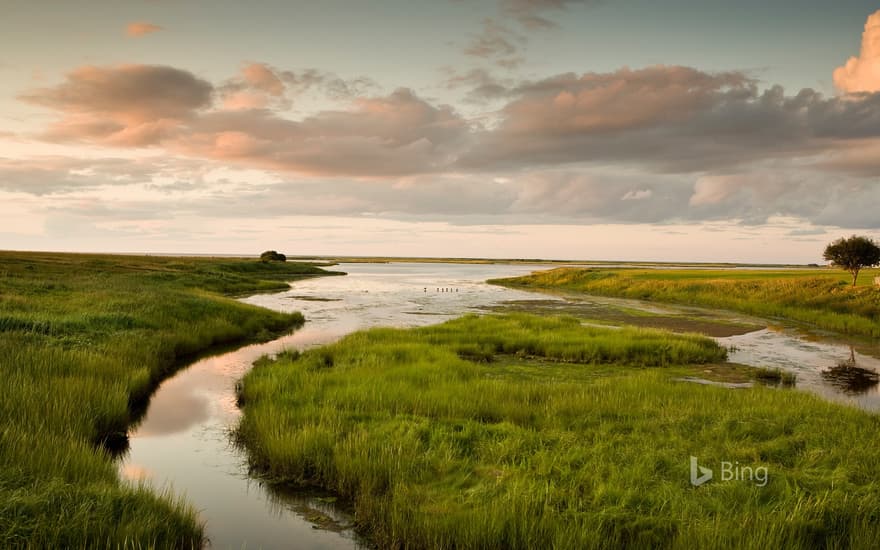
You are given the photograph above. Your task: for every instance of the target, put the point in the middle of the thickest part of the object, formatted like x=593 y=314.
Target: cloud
x=497 y=43
x=862 y=73
x=634 y=145
x=258 y=87
x=261 y=77
x=116 y=189
x=671 y=118
x=481 y=86
x=48 y=175
x=138 y=105
x=261 y=86
x=131 y=105
x=328 y=83
x=388 y=135
x=532 y=13
x=140 y=28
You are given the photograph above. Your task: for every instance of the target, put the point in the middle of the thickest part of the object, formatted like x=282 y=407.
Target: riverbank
x=523 y=432
x=85 y=339
x=820 y=298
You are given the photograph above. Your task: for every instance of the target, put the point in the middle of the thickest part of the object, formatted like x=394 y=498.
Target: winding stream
x=183 y=442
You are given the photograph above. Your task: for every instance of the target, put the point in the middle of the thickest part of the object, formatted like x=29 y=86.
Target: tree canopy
x=852 y=254
x=272 y=256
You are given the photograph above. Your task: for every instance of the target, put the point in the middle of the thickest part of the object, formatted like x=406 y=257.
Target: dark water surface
x=183 y=442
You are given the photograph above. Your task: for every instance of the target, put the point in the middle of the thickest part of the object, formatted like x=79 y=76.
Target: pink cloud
x=676 y=119
x=262 y=77
x=600 y=102
x=238 y=101
x=258 y=87
x=140 y=28
x=395 y=134
x=130 y=105
x=862 y=73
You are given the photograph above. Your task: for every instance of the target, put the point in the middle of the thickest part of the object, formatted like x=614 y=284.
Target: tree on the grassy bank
x=853 y=254
x=272 y=256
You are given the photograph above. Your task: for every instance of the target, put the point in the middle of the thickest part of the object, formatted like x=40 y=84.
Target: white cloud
x=862 y=73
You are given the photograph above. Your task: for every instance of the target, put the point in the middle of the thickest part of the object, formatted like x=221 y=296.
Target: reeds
x=84 y=339
x=820 y=298
x=525 y=432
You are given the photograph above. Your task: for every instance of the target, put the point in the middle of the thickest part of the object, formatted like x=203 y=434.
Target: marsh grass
x=568 y=437
x=821 y=298
x=84 y=339
x=775 y=376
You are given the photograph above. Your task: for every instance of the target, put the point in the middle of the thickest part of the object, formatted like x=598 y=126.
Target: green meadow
x=84 y=340
x=821 y=298
x=518 y=431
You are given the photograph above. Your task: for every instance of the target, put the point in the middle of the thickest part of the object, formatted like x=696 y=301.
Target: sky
x=570 y=129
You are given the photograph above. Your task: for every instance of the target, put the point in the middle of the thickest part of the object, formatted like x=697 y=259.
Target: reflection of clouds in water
x=175 y=408
x=135 y=472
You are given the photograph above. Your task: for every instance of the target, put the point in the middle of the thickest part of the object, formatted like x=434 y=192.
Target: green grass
x=818 y=297
x=775 y=376
x=84 y=339
x=525 y=432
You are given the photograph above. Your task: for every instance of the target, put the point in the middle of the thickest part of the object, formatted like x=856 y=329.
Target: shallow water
x=813 y=359
x=183 y=441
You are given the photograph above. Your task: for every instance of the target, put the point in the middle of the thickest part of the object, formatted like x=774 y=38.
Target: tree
x=272 y=256
x=853 y=254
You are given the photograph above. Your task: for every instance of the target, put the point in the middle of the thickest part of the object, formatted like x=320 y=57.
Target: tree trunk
x=855 y=276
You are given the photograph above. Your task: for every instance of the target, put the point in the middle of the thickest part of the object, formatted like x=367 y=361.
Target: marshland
x=443 y=275
x=383 y=413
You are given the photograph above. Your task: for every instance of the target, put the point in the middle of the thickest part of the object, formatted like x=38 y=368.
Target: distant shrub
x=272 y=256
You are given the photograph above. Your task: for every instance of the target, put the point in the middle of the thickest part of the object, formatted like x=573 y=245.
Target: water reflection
x=850 y=378
x=809 y=357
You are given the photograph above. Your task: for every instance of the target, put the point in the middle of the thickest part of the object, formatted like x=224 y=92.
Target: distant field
x=518 y=431
x=818 y=297
x=84 y=339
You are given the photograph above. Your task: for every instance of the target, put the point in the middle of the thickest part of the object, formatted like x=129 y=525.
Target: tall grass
x=820 y=298
x=84 y=339
x=512 y=432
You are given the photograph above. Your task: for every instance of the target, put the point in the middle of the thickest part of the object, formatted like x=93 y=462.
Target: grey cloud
x=261 y=85
x=58 y=175
x=648 y=145
x=50 y=175
x=571 y=196
x=397 y=134
x=480 y=84
x=532 y=14
x=674 y=119
x=498 y=44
